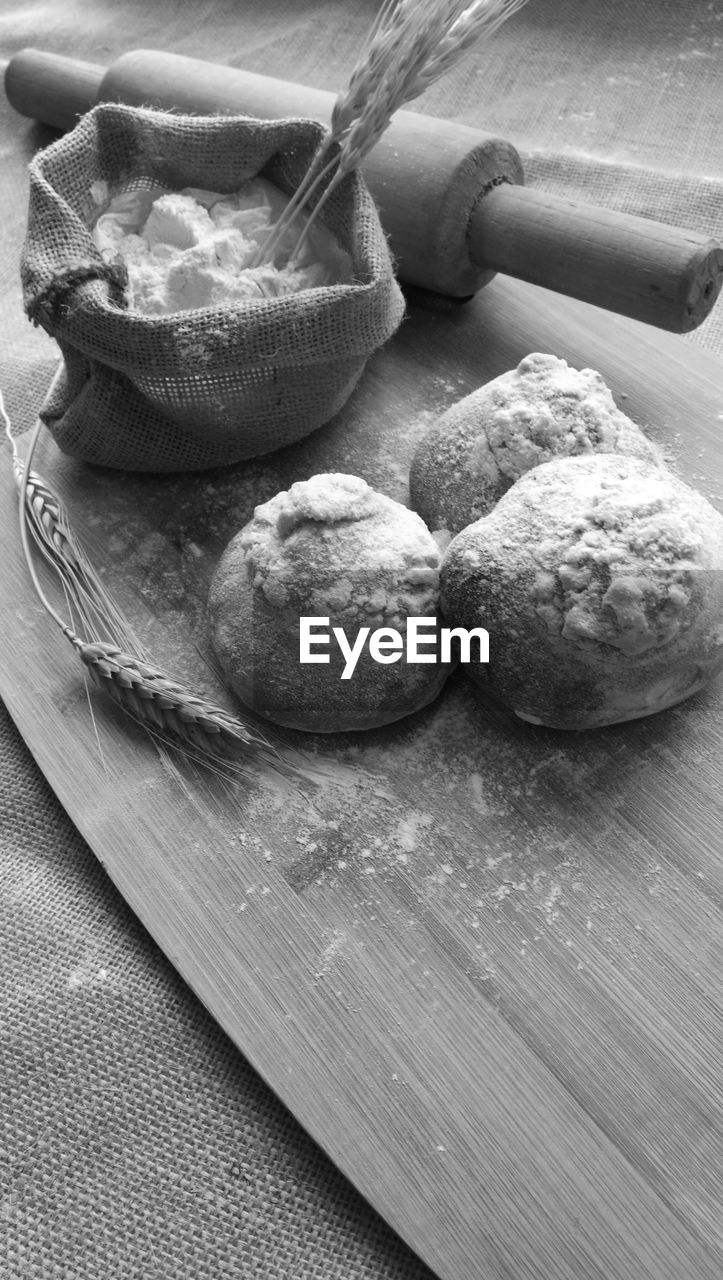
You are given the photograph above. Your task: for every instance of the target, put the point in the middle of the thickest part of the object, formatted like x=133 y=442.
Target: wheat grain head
x=160 y=703
x=412 y=44
x=170 y=711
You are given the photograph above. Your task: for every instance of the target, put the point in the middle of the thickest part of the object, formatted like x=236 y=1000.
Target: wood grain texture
x=483 y=964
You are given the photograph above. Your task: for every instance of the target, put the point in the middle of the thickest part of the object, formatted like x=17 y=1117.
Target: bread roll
x=541 y=410
x=599 y=580
x=333 y=548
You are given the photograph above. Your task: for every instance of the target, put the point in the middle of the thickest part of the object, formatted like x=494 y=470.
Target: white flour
x=193 y=248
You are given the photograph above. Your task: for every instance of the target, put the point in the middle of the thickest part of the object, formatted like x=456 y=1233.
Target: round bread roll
x=541 y=410
x=599 y=582
x=330 y=548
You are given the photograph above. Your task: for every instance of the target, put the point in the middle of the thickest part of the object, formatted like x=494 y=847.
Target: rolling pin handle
x=50 y=88
x=656 y=273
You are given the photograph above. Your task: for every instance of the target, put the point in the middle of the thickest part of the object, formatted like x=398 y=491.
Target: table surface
x=138 y=1140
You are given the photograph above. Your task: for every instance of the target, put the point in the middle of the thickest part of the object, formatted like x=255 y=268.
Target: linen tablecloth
x=135 y=1141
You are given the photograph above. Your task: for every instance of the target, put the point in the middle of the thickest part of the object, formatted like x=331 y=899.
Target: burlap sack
x=206 y=387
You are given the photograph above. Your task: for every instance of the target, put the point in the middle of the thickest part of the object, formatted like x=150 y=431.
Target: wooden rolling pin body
x=450 y=198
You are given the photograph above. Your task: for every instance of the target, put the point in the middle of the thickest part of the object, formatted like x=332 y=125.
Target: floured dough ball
x=541 y=410
x=600 y=583
x=333 y=550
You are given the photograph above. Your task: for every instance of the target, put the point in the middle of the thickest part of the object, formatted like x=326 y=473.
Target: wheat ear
x=411 y=44
x=461 y=36
x=49 y=526
x=45 y=518
x=167 y=709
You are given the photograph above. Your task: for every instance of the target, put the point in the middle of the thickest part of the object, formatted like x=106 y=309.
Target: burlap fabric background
x=136 y=1143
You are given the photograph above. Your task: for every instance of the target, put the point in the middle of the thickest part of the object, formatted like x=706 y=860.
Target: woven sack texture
x=219 y=384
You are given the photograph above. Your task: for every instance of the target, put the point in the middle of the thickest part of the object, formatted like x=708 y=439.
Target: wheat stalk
x=114 y=658
x=411 y=44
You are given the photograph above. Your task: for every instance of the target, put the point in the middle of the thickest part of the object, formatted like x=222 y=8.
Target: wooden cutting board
x=483 y=963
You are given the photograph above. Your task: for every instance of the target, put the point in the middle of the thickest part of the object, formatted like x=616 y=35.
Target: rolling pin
x=451 y=199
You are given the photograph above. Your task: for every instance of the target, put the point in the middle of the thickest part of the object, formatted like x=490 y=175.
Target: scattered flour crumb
x=407 y=833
